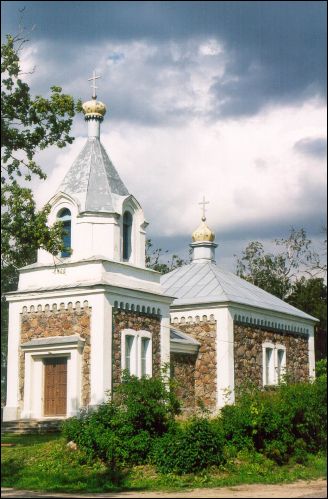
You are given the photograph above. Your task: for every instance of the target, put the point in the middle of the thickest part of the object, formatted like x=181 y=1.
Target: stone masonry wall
x=126 y=319
x=58 y=321
x=205 y=367
x=248 y=342
x=183 y=367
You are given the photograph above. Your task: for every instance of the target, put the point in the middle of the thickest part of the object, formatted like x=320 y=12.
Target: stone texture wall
x=205 y=367
x=126 y=319
x=248 y=342
x=183 y=368
x=58 y=321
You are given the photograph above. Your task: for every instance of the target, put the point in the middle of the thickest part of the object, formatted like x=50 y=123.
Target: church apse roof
x=93 y=180
x=201 y=283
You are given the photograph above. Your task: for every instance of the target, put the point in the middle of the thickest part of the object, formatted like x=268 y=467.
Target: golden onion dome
x=203 y=233
x=94 y=108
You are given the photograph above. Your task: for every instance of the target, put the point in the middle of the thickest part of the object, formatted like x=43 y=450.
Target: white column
x=26 y=412
x=101 y=349
x=311 y=352
x=165 y=337
x=225 y=357
x=11 y=410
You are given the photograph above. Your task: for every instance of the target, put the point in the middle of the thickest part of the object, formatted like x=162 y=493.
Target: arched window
x=65 y=216
x=127 y=231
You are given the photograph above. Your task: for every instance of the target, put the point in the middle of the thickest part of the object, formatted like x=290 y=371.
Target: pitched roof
x=200 y=283
x=92 y=180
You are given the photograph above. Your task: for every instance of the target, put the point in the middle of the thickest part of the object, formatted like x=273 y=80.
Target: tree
x=276 y=273
x=154 y=255
x=294 y=274
x=28 y=125
x=310 y=295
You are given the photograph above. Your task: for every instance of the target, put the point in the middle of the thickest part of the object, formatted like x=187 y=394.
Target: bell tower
x=102 y=217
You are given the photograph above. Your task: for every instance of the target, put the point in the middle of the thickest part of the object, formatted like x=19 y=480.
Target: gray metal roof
x=201 y=283
x=92 y=180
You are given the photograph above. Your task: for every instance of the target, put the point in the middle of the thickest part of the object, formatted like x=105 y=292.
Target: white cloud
x=169 y=169
x=247 y=168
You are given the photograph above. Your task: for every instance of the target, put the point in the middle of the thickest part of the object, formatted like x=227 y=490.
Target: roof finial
x=94 y=78
x=203 y=208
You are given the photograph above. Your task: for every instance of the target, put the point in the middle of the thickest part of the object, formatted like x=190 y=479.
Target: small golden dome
x=94 y=107
x=203 y=233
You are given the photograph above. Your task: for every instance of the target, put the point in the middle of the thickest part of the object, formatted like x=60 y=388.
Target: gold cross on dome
x=203 y=208
x=94 y=78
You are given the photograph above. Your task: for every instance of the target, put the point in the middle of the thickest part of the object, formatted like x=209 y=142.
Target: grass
x=43 y=462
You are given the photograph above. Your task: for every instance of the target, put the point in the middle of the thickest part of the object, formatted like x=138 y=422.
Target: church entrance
x=55 y=386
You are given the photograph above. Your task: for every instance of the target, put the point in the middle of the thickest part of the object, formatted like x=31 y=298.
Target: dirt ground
x=305 y=489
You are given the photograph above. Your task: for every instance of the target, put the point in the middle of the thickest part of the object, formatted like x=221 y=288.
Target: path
x=301 y=489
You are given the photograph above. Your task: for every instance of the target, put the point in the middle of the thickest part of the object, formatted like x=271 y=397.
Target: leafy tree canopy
x=277 y=273
x=154 y=259
x=28 y=125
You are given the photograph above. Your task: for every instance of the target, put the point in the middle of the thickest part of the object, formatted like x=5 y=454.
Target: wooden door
x=55 y=386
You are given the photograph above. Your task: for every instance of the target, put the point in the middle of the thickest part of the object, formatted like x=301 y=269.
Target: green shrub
x=189 y=448
x=121 y=431
x=277 y=422
x=321 y=368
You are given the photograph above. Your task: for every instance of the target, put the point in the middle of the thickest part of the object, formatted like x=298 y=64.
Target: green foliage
x=45 y=463
x=276 y=273
x=278 y=423
x=310 y=295
x=321 y=369
x=154 y=256
x=121 y=431
x=189 y=448
x=28 y=125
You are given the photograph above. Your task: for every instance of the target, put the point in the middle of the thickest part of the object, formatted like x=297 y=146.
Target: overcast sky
x=222 y=99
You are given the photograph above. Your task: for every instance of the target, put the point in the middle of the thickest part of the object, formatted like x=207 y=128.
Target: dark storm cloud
x=276 y=49
x=316 y=147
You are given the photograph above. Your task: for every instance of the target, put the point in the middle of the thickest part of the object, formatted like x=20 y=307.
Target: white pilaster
x=11 y=410
x=311 y=352
x=165 y=337
x=225 y=357
x=101 y=349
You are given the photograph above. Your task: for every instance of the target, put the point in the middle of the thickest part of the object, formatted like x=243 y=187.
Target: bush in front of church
x=189 y=447
x=122 y=430
x=283 y=424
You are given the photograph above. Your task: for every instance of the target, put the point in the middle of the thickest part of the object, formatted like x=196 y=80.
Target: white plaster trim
x=275 y=347
x=135 y=355
x=34 y=379
x=311 y=353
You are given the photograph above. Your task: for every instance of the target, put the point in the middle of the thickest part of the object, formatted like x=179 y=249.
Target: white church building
x=78 y=319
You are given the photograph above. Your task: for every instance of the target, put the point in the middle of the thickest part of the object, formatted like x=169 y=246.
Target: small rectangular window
x=144 y=351
x=280 y=364
x=128 y=351
x=268 y=366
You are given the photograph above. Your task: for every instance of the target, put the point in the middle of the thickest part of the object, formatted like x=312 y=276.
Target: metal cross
x=94 y=78
x=203 y=208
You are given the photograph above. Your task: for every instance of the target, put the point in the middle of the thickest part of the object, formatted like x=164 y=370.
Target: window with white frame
x=281 y=362
x=274 y=363
x=136 y=348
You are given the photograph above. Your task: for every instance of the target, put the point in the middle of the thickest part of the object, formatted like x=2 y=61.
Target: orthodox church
x=78 y=319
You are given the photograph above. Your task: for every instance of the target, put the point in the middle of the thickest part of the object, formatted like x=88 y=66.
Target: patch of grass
x=43 y=462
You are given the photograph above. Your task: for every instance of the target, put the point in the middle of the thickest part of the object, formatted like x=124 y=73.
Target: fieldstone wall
x=183 y=368
x=57 y=321
x=248 y=361
x=205 y=367
x=126 y=319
